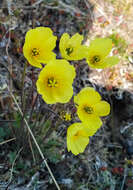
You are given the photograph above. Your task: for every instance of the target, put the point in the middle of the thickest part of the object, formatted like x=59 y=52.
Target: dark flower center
x=52 y=82
x=88 y=110
x=69 y=50
x=35 y=52
x=95 y=59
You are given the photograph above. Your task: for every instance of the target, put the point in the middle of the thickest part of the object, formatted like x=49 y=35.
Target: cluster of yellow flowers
x=55 y=79
x=89 y=109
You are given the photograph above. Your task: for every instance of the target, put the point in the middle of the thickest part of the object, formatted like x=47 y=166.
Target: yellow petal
x=88 y=119
x=80 y=52
x=73 y=148
x=87 y=95
x=74 y=128
x=45 y=57
x=82 y=142
x=63 y=44
x=38 y=34
x=57 y=95
x=64 y=95
x=100 y=46
x=110 y=61
x=99 y=65
x=63 y=73
x=102 y=108
x=43 y=40
x=77 y=51
x=49 y=98
x=91 y=129
x=76 y=39
x=77 y=138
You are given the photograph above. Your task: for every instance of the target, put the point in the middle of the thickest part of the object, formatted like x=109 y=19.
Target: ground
x=107 y=163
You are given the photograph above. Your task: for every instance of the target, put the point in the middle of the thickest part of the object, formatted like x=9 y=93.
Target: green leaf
x=2 y=133
x=45 y=127
x=12 y=156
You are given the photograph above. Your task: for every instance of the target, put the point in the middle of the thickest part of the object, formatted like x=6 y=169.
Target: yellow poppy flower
x=66 y=116
x=98 y=51
x=71 y=48
x=55 y=82
x=90 y=107
x=38 y=46
x=77 y=138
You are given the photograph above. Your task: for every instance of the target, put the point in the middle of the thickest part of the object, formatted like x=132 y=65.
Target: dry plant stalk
x=40 y=152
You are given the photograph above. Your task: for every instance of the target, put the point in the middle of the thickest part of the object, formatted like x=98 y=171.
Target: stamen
x=35 y=52
x=69 y=50
x=95 y=59
x=88 y=110
x=52 y=82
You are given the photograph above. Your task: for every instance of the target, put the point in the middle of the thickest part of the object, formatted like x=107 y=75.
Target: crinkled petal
x=110 y=61
x=77 y=138
x=26 y=51
x=89 y=119
x=74 y=149
x=99 y=65
x=64 y=74
x=63 y=68
x=76 y=39
x=82 y=142
x=43 y=41
x=87 y=95
x=63 y=44
x=74 y=128
x=101 y=46
x=50 y=43
x=79 y=53
x=46 y=57
x=57 y=95
x=37 y=34
x=91 y=129
x=64 y=96
x=102 y=108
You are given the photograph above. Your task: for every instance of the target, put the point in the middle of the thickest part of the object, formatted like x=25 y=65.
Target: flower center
x=35 y=52
x=52 y=82
x=95 y=59
x=69 y=50
x=88 y=110
x=76 y=135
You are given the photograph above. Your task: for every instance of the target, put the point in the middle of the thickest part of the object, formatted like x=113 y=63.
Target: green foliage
x=16 y=13
x=17 y=121
x=45 y=127
x=53 y=155
x=119 y=42
x=51 y=150
x=4 y=132
x=53 y=142
x=108 y=179
x=12 y=156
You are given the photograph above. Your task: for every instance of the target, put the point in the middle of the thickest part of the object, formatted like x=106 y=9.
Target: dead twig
x=33 y=155
x=9 y=140
x=10 y=180
x=124 y=178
